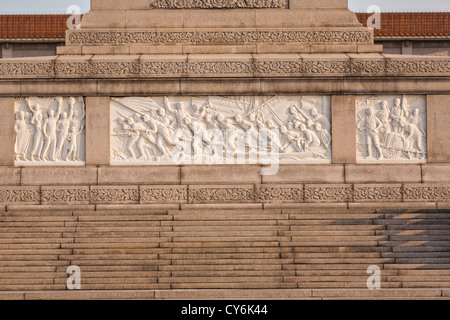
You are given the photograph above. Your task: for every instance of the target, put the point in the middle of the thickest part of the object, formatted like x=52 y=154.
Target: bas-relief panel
x=219 y=129
x=391 y=129
x=49 y=131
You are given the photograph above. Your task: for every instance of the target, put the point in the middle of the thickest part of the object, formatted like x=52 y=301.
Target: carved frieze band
x=218 y=4
x=218 y=37
x=231 y=68
x=310 y=193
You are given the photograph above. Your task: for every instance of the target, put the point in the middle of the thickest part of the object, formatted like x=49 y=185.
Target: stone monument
x=273 y=102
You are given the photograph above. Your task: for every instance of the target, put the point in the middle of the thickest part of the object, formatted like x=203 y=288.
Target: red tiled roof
x=411 y=24
x=33 y=26
x=406 y=24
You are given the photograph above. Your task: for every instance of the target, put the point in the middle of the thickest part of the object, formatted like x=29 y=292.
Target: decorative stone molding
x=50 y=131
x=70 y=195
x=328 y=193
x=163 y=194
x=219 y=130
x=391 y=129
x=279 y=193
x=20 y=195
x=195 y=37
x=205 y=194
x=176 y=194
x=218 y=4
x=114 y=194
x=321 y=65
x=426 y=192
x=377 y=192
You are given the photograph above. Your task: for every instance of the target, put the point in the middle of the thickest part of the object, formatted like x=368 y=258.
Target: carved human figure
x=371 y=126
x=62 y=130
x=72 y=144
x=397 y=115
x=413 y=138
x=22 y=136
x=289 y=139
x=38 y=138
x=414 y=119
x=385 y=117
x=309 y=138
x=77 y=121
x=323 y=135
x=49 y=130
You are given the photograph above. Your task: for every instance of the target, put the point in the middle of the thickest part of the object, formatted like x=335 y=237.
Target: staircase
x=247 y=252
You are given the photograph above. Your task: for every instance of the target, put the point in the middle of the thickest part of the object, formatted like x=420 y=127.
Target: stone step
x=36 y=218
x=18 y=252
x=340 y=243
x=220 y=244
x=39 y=213
x=445 y=261
x=111 y=234
x=41 y=235
x=367 y=261
x=347 y=273
x=416 y=255
x=421 y=221
x=419 y=266
x=232 y=273
x=251 y=285
x=337 y=228
x=420 y=237
x=35 y=240
x=338 y=238
x=124 y=218
x=222 y=267
x=25 y=269
x=33 y=224
x=29 y=257
x=231 y=261
x=108 y=257
x=32 y=263
x=119 y=229
x=231 y=294
x=343 y=285
x=128 y=211
x=85 y=281
x=338 y=222
x=335 y=278
x=122 y=262
x=417 y=227
x=326 y=249
x=26 y=281
x=410 y=243
x=330 y=255
x=424 y=272
x=120 y=251
x=32 y=287
x=228 y=279
x=118 y=223
x=107 y=239
x=111 y=245
x=29 y=274
x=443 y=279
x=332 y=216
x=230 y=250
x=222 y=223
x=354 y=233
x=408 y=232
x=203 y=228
x=228 y=217
x=230 y=239
x=219 y=234
x=413 y=216
x=214 y=256
x=426 y=284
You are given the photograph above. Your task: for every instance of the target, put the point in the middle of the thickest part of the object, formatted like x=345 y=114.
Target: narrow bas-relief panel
x=218 y=4
x=50 y=131
x=391 y=129
x=220 y=130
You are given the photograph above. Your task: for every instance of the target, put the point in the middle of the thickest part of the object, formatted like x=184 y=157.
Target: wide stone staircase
x=245 y=253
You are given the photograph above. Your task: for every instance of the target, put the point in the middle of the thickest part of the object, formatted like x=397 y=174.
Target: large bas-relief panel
x=391 y=129
x=50 y=131
x=220 y=130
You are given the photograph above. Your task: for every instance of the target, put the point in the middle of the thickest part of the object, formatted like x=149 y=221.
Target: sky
x=60 y=6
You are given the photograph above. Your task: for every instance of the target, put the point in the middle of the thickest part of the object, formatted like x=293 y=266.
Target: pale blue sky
x=59 y=6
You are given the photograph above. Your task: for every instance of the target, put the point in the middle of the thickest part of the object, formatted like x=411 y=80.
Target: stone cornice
x=198 y=66
x=219 y=37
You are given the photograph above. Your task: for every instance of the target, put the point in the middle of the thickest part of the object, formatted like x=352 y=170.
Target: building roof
x=393 y=25
x=51 y=26
x=411 y=24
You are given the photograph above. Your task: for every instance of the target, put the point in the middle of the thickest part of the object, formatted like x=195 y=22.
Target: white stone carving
x=50 y=131
x=391 y=129
x=216 y=129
